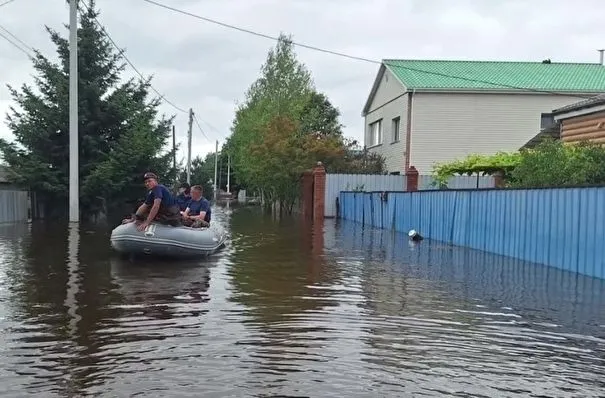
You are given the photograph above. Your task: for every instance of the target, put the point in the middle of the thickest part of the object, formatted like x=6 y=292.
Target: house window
x=395 y=128
x=546 y=120
x=376 y=133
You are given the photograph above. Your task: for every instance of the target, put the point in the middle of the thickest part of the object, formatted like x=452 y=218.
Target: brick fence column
x=319 y=191
x=499 y=179
x=412 y=179
x=307 y=194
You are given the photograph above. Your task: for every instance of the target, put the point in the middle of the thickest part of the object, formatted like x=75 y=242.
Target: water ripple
x=287 y=311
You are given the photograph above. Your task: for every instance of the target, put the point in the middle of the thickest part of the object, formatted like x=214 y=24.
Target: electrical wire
x=123 y=55
x=373 y=61
x=226 y=25
x=200 y=127
x=26 y=52
x=19 y=40
x=212 y=128
x=6 y=2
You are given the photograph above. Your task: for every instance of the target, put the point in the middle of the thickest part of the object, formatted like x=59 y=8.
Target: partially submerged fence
x=562 y=227
x=335 y=183
x=13 y=206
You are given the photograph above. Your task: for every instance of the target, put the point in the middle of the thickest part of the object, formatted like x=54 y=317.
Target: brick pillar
x=307 y=194
x=412 y=179
x=319 y=191
x=499 y=179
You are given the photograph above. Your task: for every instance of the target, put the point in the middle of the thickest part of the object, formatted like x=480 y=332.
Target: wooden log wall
x=584 y=128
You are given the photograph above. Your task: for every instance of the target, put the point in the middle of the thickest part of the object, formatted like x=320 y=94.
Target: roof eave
x=577 y=112
x=383 y=69
x=370 y=98
x=498 y=91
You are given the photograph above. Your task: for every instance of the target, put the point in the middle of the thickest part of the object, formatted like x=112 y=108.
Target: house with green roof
x=421 y=112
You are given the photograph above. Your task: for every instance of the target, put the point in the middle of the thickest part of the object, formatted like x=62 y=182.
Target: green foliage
x=279 y=160
x=551 y=163
x=555 y=164
x=283 y=116
x=283 y=89
x=202 y=173
x=319 y=116
x=476 y=164
x=356 y=160
x=119 y=137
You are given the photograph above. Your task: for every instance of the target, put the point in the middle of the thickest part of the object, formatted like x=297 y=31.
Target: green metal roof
x=495 y=75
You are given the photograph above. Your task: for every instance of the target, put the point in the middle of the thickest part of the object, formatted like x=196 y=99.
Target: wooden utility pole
x=215 y=171
x=189 y=133
x=176 y=173
x=228 y=173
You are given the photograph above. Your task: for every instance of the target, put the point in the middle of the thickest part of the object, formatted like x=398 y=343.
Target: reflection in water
x=464 y=320
x=73 y=246
x=291 y=308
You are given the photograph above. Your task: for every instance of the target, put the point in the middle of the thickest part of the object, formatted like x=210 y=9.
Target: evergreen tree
x=119 y=137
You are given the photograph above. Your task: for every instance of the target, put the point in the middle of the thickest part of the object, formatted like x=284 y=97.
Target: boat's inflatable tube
x=166 y=241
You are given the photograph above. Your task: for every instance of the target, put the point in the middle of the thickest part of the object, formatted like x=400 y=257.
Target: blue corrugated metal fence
x=564 y=228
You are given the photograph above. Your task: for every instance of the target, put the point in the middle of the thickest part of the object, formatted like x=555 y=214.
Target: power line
x=6 y=2
x=212 y=128
x=200 y=127
x=15 y=44
x=226 y=25
x=123 y=55
x=19 y=40
x=373 y=61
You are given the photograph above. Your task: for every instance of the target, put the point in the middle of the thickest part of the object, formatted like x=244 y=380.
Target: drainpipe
x=408 y=130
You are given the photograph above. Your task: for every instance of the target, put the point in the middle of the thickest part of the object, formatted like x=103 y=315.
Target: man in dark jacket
x=184 y=196
x=159 y=205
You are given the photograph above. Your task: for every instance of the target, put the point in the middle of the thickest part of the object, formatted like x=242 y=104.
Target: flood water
x=293 y=311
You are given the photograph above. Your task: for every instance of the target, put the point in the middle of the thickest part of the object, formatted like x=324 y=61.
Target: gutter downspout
x=408 y=131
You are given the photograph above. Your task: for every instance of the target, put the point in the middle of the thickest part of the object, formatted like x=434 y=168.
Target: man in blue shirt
x=159 y=205
x=198 y=212
x=184 y=196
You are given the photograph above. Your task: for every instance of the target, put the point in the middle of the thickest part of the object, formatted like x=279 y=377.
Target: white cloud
x=207 y=67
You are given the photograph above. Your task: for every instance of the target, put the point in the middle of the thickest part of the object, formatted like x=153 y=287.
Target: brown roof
x=587 y=103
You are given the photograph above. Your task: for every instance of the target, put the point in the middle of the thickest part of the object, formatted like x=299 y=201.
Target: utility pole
x=215 y=171
x=228 y=173
x=220 y=172
x=176 y=173
x=189 y=146
x=74 y=181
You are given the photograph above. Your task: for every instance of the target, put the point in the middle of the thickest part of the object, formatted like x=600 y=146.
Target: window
x=546 y=120
x=395 y=129
x=376 y=133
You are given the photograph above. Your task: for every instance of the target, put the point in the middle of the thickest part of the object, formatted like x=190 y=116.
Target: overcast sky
x=208 y=67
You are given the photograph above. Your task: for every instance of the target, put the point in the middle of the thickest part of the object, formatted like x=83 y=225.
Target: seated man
x=198 y=212
x=184 y=196
x=159 y=205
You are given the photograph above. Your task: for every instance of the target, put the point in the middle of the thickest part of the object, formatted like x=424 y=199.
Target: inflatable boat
x=166 y=241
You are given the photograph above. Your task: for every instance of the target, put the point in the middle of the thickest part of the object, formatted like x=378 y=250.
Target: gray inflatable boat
x=166 y=241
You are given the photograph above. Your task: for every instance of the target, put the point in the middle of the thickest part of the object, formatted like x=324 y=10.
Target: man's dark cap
x=185 y=185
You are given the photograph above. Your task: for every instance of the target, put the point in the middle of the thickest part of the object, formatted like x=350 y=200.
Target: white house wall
x=450 y=126
x=390 y=101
